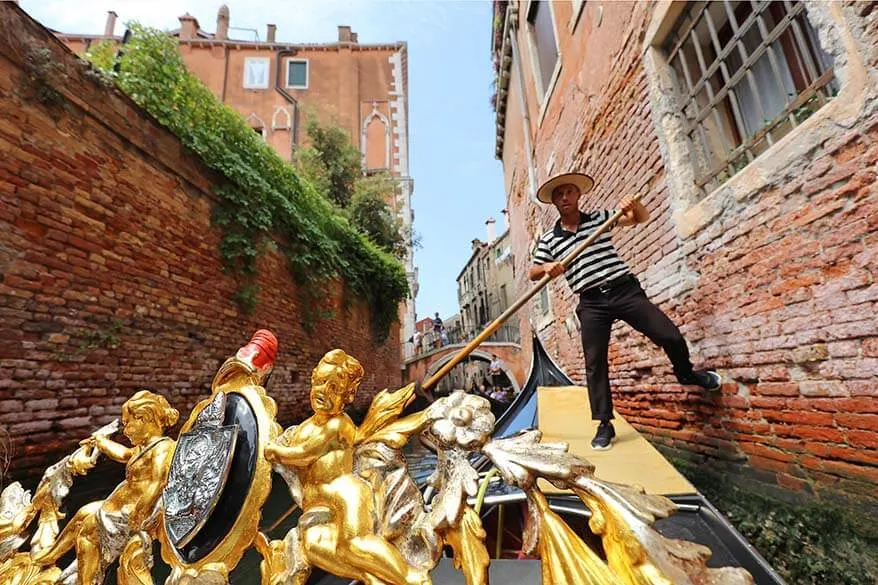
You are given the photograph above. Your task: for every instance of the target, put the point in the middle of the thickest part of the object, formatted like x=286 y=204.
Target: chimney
x=272 y=30
x=111 y=23
x=344 y=34
x=188 y=27
x=476 y=243
x=490 y=225
x=506 y=219
x=222 y=23
x=354 y=38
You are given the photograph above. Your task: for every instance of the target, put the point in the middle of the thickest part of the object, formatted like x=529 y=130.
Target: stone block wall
x=110 y=277
x=772 y=278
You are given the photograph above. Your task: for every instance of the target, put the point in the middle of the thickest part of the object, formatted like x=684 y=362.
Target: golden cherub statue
x=101 y=530
x=363 y=516
x=338 y=516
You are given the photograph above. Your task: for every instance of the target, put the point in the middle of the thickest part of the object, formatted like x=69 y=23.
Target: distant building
x=454 y=329
x=424 y=325
x=363 y=88
x=486 y=286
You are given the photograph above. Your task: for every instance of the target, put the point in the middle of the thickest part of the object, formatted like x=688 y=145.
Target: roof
x=208 y=39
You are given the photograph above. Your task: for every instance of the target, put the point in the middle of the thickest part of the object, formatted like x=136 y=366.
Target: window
x=544 y=51
x=577 y=6
x=544 y=302
x=256 y=72
x=297 y=73
x=750 y=73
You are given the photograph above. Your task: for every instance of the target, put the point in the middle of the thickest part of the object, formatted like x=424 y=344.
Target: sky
x=458 y=182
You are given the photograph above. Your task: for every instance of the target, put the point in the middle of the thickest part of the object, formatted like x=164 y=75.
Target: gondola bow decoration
x=362 y=515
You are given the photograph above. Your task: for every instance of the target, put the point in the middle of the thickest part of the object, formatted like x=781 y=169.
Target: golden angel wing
x=384 y=410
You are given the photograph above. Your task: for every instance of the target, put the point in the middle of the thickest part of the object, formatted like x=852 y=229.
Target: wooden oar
x=498 y=322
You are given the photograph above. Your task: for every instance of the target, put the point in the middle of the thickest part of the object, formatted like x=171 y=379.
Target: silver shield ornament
x=198 y=473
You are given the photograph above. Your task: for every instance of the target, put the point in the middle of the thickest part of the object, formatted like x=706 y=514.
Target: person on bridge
x=607 y=291
x=417 y=339
x=438 y=328
x=496 y=370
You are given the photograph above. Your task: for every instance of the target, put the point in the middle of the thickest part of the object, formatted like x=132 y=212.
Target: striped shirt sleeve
x=543 y=255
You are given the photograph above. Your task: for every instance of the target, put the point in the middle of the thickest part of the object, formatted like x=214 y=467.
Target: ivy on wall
x=267 y=203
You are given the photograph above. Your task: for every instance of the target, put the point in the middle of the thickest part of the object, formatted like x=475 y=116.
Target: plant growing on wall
x=266 y=201
x=330 y=161
x=334 y=165
x=371 y=214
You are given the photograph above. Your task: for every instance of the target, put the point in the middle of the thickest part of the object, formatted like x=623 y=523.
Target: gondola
x=544 y=400
x=503 y=507
x=696 y=518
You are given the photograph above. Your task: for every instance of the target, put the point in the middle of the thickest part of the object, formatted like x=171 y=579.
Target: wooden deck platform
x=564 y=415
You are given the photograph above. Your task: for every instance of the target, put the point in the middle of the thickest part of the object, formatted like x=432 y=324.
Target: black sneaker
x=707 y=379
x=603 y=439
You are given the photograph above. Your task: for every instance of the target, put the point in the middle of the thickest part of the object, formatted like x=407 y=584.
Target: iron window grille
x=751 y=72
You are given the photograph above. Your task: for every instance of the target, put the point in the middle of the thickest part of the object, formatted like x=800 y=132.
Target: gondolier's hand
x=633 y=211
x=553 y=269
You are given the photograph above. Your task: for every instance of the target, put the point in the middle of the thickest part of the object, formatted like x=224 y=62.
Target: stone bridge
x=422 y=366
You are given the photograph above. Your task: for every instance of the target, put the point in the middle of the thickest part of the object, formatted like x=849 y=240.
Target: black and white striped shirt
x=599 y=263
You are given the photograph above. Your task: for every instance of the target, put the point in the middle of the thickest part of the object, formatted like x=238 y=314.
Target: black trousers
x=597 y=310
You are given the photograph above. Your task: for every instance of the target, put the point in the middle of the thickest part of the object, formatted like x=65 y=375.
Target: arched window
x=375 y=140
x=281 y=120
x=257 y=125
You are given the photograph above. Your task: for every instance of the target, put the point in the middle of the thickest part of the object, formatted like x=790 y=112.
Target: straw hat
x=583 y=181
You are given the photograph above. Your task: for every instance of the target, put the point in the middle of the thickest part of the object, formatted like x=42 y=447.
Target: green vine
x=108 y=337
x=266 y=202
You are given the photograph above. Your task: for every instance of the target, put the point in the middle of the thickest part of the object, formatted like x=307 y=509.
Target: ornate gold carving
x=467 y=540
x=241 y=375
x=338 y=510
x=363 y=516
x=21 y=569
x=621 y=515
x=100 y=530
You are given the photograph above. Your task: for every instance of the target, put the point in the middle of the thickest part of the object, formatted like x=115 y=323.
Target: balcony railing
x=507 y=333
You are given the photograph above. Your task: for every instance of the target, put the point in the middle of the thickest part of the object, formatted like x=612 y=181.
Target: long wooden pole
x=498 y=322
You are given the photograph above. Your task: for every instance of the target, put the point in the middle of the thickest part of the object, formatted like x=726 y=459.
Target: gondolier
x=607 y=291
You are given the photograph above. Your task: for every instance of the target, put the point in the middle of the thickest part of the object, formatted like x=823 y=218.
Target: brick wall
x=775 y=287
x=110 y=280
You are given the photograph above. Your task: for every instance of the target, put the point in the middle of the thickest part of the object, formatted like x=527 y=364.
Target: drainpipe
x=528 y=141
x=277 y=86
x=522 y=102
x=225 y=70
x=119 y=53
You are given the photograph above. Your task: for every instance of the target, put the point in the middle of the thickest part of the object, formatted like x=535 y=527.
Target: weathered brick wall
x=110 y=279
x=777 y=290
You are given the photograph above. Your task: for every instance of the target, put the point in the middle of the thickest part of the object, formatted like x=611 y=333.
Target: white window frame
x=577 y=6
x=267 y=62
x=543 y=93
x=542 y=315
x=307 y=74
